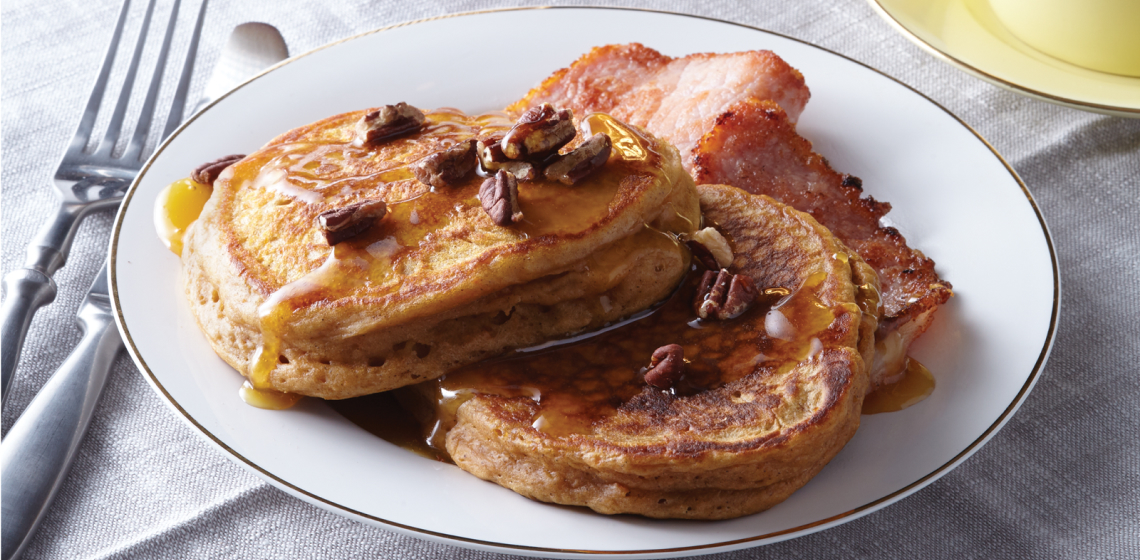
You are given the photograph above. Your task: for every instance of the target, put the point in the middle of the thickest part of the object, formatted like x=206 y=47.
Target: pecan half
x=345 y=223
x=500 y=198
x=447 y=168
x=723 y=296
x=389 y=121
x=666 y=366
x=716 y=244
x=207 y=173
x=582 y=161
x=539 y=132
x=702 y=254
x=491 y=152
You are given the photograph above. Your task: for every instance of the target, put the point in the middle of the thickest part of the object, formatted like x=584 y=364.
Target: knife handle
x=26 y=290
x=30 y=288
x=37 y=452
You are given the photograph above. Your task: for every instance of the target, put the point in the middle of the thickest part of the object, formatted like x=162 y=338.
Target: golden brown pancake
x=434 y=284
x=767 y=398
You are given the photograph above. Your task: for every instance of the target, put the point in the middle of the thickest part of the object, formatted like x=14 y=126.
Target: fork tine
x=146 y=115
x=87 y=123
x=178 y=105
x=113 y=128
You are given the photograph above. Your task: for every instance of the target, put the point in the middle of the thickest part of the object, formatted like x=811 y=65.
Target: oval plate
x=953 y=195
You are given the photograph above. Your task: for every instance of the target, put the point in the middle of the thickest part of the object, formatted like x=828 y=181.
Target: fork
x=87 y=182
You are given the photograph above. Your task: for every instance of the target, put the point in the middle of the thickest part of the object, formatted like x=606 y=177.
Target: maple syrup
x=383 y=415
x=268 y=399
x=913 y=386
x=302 y=168
x=582 y=382
x=372 y=259
x=178 y=206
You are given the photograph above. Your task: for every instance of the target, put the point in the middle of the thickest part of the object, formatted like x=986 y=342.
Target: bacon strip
x=678 y=99
x=755 y=147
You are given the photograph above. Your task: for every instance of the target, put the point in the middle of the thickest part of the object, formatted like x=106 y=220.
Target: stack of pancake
x=513 y=345
x=434 y=284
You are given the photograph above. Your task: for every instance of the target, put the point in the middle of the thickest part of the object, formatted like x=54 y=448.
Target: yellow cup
x=1102 y=35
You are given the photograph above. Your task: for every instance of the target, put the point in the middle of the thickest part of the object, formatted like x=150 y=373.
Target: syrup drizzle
x=581 y=382
x=320 y=172
x=549 y=208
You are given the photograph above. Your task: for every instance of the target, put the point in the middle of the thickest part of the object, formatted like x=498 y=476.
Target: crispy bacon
x=755 y=147
x=678 y=99
x=733 y=116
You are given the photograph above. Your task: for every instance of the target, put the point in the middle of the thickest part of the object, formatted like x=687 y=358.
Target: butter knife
x=37 y=452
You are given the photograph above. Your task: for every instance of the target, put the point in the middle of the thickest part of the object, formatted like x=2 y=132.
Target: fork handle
x=30 y=288
x=27 y=290
x=37 y=452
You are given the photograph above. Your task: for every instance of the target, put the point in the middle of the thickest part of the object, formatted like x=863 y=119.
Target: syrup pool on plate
x=913 y=386
x=178 y=206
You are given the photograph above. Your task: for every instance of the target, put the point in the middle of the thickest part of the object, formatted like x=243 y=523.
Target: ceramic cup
x=1101 y=35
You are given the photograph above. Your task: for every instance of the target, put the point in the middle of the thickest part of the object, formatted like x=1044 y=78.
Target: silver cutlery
x=251 y=48
x=87 y=182
x=37 y=452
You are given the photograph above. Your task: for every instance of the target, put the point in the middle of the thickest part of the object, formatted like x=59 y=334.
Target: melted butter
x=577 y=385
x=178 y=206
x=913 y=386
x=890 y=358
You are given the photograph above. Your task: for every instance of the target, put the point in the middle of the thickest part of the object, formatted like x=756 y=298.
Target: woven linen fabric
x=1060 y=480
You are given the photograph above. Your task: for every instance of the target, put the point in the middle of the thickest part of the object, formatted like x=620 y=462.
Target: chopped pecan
x=500 y=198
x=491 y=152
x=666 y=366
x=582 y=161
x=344 y=223
x=389 y=121
x=207 y=173
x=702 y=254
x=722 y=295
x=716 y=244
x=539 y=133
x=447 y=168
x=522 y=170
x=492 y=159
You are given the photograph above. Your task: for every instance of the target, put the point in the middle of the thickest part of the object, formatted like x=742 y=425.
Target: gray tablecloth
x=1061 y=480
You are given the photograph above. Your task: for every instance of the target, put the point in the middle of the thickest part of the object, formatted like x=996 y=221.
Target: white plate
x=954 y=198
x=967 y=34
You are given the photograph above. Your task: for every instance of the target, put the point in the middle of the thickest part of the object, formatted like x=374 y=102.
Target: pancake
x=434 y=284
x=766 y=400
